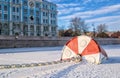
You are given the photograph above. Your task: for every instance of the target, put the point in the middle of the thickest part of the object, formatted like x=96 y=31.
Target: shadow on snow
x=65 y=71
x=112 y=60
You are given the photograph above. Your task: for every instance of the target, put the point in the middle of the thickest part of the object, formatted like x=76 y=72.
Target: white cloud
x=100 y=0
x=72 y=16
x=69 y=10
x=67 y=5
x=103 y=10
x=113 y=22
x=96 y=1
x=114 y=25
x=86 y=1
x=103 y=19
x=76 y=11
x=54 y=0
x=88 y=14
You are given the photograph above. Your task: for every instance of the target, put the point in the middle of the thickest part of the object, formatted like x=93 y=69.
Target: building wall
x=28 y=18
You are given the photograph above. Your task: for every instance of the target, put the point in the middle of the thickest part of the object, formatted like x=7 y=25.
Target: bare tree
x=102 y=28
x=78 y=25
x=84 y=27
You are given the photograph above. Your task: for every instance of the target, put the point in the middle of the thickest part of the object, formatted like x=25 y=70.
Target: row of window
x=45 y=21
x=5 y=7
x=31 y=12
x=38 y=29
x=16 y=1
x=16 y=18
x=51 y=15
x=5 y=16
x=5 y=0
x=38 y=5
x=0 y=16
x=5 y=29
x=53 y=22
x=37 y=13
x=15 y=9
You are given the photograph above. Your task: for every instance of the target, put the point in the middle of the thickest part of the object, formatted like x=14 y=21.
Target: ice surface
x=108 y=69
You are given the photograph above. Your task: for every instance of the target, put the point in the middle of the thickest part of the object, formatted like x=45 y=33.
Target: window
x=13 y=17
x=54 y=22
x=37 y=5
x=0 y=29
x=13 y=9
x=52 y=8
x=46 y=14
x=25 y=18
x=5 y=8
x=51 y=22
x=13 y=1
x=51 y=15
x=31 y=30
x=0 y=7
x=37 y=20
x=17 y=18
x=25 y=11
x=25 y=30
x=43 y=6
x=5 y=16
x=46 y=7
x=43 y=20
x=46 y=28
x=37 y=13
x=43 y=13
x=5 y=0
x=46 y=21
x=25 y=3
x=17 y=1
x=5 y=29
x=0 y=16
x=53 y=29
x=38 y=30
x=54 y=15
x=17 y=9
x=31 y=12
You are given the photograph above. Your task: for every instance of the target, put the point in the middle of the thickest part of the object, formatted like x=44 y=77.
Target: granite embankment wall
x=13 y=42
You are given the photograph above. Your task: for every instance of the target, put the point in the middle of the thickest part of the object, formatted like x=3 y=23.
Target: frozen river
x=109 y=69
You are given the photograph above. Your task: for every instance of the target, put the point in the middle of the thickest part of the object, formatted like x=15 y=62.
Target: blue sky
x=92 y=11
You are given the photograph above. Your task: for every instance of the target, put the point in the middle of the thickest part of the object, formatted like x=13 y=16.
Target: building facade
x=28 y=18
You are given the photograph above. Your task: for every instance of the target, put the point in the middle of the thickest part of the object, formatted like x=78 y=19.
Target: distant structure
x=28 y=18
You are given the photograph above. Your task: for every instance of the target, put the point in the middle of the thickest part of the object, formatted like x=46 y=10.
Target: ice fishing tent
x=85 y=46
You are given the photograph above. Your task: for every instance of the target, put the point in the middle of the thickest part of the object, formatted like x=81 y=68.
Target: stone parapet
x=13 y=42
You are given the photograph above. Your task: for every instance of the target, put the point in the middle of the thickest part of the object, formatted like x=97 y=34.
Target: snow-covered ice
x=108 y=69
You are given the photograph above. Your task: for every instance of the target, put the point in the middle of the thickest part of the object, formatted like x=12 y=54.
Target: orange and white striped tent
x=85 y=46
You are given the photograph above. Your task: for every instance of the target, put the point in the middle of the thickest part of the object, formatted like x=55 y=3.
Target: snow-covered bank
x=109 y=68
x=32 y=49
